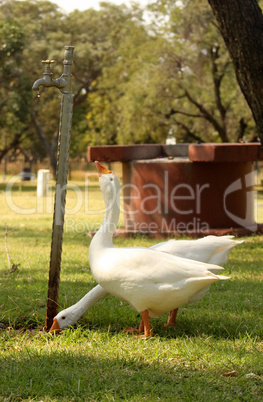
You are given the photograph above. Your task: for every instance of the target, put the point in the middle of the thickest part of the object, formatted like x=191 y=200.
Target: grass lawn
x=214 y=353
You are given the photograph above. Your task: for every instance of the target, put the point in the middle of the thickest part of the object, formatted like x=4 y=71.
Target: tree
x=19 y=70
x=117 y=104
x=46 y=31
x=207 y=90
x=11 y=47
x=132 y=81
x=97 y=45
x=174 y=73
x=205 y=100
x=241 y=25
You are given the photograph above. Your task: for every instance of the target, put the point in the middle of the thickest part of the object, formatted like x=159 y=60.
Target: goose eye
x=111 y=179
x=63 y=318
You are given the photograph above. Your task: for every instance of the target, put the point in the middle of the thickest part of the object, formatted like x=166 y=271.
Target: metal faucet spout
x=48 y=80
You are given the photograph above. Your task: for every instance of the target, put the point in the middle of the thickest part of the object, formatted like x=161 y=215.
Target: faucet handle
x=47 y=66
x=48 y=62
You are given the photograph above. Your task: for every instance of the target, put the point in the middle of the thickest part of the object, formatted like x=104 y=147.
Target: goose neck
x=91 y=298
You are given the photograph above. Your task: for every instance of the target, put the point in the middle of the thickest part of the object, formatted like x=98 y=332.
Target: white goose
x=209 y=249
x=152 y=282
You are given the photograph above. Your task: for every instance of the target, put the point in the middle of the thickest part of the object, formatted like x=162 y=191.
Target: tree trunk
x=241 y=25
x=49 y=147
x=13 y=145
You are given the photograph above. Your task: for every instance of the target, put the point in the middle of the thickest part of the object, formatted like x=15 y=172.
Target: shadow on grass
x=88 y=374
x=59 y=376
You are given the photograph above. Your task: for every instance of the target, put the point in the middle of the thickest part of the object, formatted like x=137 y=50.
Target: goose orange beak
x=101 y=169
x=55 y=326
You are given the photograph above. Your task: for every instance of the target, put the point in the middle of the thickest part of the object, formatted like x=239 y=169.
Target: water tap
x=48 y=80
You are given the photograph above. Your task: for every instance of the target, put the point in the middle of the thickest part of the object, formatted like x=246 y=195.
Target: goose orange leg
x=172 y=318
x=144 y=326
x=141 y=327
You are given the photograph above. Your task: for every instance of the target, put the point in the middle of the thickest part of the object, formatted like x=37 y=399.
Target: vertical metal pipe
x=64 y=85
x=61 y=188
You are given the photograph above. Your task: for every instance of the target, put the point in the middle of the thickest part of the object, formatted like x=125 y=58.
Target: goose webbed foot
x=144 y=330
x=131 y=330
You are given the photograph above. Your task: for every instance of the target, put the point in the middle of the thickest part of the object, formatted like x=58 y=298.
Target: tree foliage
x=134 y=76
x=11 y=105
x=178 y=74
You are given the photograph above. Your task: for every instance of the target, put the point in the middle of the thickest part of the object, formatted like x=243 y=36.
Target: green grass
x=97 y=360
